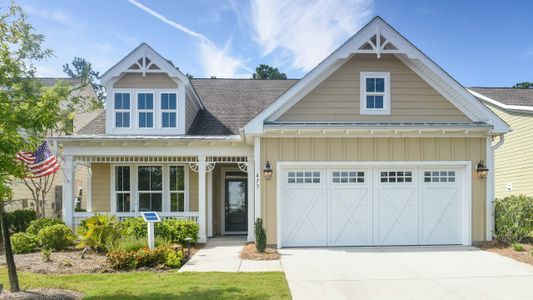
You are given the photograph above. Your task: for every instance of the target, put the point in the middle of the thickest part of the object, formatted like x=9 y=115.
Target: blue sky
x=480 y=43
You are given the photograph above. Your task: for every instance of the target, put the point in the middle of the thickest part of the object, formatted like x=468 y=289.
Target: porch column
x=202 y=199
x=250 y=167
x=67 y=204
x=210 y=204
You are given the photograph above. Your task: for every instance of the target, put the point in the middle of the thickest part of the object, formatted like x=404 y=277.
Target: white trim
x=258 y=172
x=89 y=192
x=489 y=185
x=517 y=108
x=467 y=181
x=223 y=171
x=363 y=109
x=210 y=204
x=144 y=110
x=115 y=111
x=142 y=149
x=67 y=204
x=202 y=238
x=250 y=198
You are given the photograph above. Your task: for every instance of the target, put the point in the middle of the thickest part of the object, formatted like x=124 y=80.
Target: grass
x=168 y=285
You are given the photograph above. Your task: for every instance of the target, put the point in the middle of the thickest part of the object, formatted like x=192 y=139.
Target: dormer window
x=122 y=110
x=168 y=110
x=145 y=107
x=375 y=93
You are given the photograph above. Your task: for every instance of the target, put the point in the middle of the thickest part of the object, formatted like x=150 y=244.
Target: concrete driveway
x=451 y=272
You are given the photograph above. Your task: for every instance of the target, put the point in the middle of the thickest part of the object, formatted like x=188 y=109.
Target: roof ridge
x=222 y=78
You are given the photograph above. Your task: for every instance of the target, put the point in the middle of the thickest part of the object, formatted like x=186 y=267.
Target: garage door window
x=439 y=176
x=303 y=177
x=396 y=176
x=348 y=177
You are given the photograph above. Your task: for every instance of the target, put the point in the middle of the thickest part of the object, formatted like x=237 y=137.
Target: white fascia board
x=134 y=138
x=516 y=108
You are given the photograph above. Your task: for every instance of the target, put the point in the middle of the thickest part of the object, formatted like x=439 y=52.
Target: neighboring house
x=377 y=145
x=514 y=159
x=22 y=196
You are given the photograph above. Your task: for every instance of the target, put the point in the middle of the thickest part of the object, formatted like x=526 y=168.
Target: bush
x=128 y=244
x=260 y=236
x=56 y=237
x=45 y=255
x=23 y=242
x=169 y=229
x=20 y=219
x=514 y=218
x=37 y=225
x=99 y=232
x=518 y=247
x=144 y=257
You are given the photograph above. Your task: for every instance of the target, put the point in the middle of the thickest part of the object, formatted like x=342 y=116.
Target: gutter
x=103 y=138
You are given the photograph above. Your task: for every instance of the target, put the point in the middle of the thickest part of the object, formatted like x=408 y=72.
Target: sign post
x=151 y=217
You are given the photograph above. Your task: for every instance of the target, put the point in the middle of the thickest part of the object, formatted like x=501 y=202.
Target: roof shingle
x=508 y=96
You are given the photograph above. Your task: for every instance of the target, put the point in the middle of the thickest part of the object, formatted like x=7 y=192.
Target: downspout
x=491 y=149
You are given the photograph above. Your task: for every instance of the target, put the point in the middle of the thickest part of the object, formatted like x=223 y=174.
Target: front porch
x=217 y=192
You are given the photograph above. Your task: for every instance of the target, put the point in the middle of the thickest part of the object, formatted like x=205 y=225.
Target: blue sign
x=151 y=217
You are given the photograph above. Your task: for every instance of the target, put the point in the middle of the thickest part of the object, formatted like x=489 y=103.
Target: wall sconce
x=268 y=171
x=481 y=170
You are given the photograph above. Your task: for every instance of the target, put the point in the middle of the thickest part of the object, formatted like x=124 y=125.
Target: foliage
x=518 y=247
x=144 y=257
x=169 y=229
x=260 y=235
x=37 y=225
x=514 y=218
x=264 y=71
x=128 y=243
x=99 y=232
x=45 y=254
x=524 y=85
x=56 y=237
x=20 y=219
x=82 y=69
x=23 y=243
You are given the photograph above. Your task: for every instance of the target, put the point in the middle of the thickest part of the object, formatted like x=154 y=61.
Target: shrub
x=37 y=225
x=121 y=260
x=518 y=247
x=260 y=236
x=23 y=242
x=169 y=229
x=514 y=218
x=45 y=255
x=173 y=258
x=20 y=219
x=144 y=257
x=99 y=232
x=56 y=237
x=134 y=227
x=128 y=244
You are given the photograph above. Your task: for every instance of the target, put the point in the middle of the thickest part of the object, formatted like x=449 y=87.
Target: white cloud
x=57 y=15
x=214 y=61
x=308 y=30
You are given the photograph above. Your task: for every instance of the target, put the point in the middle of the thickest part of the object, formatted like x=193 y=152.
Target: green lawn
x=169 y=285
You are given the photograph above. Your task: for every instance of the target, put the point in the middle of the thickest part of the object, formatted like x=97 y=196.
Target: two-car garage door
x=372 y=205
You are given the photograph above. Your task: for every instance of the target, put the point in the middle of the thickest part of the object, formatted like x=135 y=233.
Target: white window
x=145 y=108
x=348 y=176
x=177 y=188
x=375 y=93
x=303 y=177
x=150 y=186
x=168 y=110
x=396 y=176
x=122 y=110
x=122 y=188
x=439 y=176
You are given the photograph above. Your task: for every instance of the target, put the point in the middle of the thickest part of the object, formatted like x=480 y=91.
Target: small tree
x=82 y=69
x=260 y=235
x=524 y=85
x=267 y=72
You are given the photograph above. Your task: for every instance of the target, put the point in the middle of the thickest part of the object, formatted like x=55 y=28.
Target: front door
x=236 y=205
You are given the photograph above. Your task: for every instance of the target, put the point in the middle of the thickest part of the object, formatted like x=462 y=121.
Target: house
x=22 y=197
x=514 y=159
x=377 y=145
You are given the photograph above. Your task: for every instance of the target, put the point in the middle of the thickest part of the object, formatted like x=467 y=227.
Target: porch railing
x=193 y=216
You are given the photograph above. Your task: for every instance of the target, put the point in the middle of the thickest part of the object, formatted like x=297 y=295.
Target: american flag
x=41 y=162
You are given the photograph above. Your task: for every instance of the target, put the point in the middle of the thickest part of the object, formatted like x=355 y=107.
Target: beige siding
x=101 y=187
x=150 y=81
x=372 y=149
x=193 y=191
x=337 y=97
x=514 y=159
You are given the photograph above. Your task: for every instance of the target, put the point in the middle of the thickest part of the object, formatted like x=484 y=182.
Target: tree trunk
x=10 y=261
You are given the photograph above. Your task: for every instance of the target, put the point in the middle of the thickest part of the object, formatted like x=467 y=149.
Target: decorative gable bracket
x=144 y=65
x=378 y=44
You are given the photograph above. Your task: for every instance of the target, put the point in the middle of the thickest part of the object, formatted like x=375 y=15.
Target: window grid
x=303 y=177
x=351 y=176
x=122 y=189
x=150 y=192
x=177 y=188
x=145 y=107
x=122 y=110
x=375 y=92
x=396 y=176
x=439 y=176
x=168 y=110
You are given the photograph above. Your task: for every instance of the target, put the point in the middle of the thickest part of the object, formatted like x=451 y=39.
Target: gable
x=148 y=81
x=337 y=98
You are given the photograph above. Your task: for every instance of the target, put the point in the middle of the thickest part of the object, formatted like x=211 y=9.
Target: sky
x=479 y=43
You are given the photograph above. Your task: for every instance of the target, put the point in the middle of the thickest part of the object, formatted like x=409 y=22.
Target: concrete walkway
x=221 y=254
x=451 y=272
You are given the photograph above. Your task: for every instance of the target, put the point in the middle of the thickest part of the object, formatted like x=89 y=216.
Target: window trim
x=185 y=188
x=138 y=110
x=162 y=110
x=363 y=93
x=139 y=192
x=115 y=111
x=114 y=192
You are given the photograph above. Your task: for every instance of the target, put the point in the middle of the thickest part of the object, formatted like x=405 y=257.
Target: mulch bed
x=43 y=294
x=507 y=250
x=249 y=252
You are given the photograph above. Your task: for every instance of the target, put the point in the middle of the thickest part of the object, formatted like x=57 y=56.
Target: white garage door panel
x=349 y=208
x=303 y=210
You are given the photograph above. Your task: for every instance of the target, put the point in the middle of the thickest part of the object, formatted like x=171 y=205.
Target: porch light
x=268 y=171
x=481 y=170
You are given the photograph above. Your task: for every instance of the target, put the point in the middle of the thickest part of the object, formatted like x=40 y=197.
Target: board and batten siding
x=372 y=149
x=150 y=81
x=337 y=98
x=514 y=158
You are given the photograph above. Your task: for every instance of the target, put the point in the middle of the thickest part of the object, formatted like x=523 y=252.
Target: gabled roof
x=379 y=38
x=514 y=99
